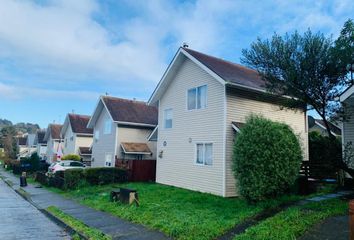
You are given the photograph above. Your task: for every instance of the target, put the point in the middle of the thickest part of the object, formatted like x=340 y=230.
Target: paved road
x=20 y=220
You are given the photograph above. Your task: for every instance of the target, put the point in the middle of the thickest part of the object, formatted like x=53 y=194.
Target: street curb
x=62 y=224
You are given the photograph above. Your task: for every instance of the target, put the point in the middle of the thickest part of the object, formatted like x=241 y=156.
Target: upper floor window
x=107 y=127
x=168 y=118
x=197 y=97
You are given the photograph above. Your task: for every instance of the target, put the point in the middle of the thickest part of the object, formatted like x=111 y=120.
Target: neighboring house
x=30 y=143
x=76 y=135
x=317 y=125
x=41 y=145
x=347 y=99
x=203 y=102
x=121 y=129
x=22 y=147
x=54 y=141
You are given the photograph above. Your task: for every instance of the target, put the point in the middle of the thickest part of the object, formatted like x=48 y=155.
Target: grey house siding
x=177 y=166
x=106 y=142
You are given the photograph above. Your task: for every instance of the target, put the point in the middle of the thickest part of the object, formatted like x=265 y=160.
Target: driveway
x=21 y=220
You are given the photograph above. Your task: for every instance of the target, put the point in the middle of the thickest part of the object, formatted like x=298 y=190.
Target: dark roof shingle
x=55 y=130
x=79 y=123
x=230 y=72
x=40 y=137
x=124 y=110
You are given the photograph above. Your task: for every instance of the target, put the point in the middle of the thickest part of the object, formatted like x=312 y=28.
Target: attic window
x=197 y=97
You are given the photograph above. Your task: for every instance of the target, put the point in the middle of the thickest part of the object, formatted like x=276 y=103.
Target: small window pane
x=168 y=118
x=107 y=127
x=208 y=154
x=192 y=95
x=202 y=97
x=200 y=153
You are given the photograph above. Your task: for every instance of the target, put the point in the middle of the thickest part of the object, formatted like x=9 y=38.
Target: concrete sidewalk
x=21 y=220
x=333 y=228
x=105 y=222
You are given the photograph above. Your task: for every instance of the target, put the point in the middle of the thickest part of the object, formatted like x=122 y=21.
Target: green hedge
x=267 y=158
x=100 y=176
x=74 y=178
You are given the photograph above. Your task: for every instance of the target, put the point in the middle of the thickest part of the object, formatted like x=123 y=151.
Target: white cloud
x=62 y=45
x=18 y=93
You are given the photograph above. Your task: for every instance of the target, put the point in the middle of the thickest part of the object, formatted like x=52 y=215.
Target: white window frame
x=164 y=118
x=197 y=89
x=105 y=160
x=107 y=128
x=203 y=152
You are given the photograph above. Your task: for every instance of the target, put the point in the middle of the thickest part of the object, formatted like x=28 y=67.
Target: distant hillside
x=20 y=127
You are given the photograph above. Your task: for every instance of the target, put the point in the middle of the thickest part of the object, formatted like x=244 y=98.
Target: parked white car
x=65 y=164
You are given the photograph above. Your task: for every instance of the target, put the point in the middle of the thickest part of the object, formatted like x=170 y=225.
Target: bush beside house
x=73 y=157
x=267 y=158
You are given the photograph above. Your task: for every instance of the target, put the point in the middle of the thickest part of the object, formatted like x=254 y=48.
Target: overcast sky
x=60 y=55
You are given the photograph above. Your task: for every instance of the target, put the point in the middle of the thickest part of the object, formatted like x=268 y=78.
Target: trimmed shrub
x=72 y=178
x=103 y=175
x=267 y=158
x=73 y=157
x=75 y=178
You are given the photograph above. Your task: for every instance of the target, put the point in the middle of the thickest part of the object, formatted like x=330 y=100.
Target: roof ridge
x=220 y=59
x=125 y=99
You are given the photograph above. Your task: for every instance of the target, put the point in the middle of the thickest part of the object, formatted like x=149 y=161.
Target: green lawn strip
x=90 y=233
x=294 y=221
x=180 y=213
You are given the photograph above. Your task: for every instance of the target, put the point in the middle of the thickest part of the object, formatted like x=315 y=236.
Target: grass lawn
x=90 y=233
x=181 y=214
x=295 y=221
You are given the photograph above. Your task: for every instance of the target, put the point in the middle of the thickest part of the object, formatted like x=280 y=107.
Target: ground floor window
x=204 y=153
x=108 y=160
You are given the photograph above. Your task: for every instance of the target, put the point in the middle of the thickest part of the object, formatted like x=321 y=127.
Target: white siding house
x=347 y=99
x=121 y=129
x=41 y=145
x=54 y=141
x=202 y=101
x=76 y=135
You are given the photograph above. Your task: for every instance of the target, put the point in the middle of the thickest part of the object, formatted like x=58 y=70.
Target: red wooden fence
x=139 y=170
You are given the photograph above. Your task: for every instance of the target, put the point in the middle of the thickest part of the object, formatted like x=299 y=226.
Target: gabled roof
x=224 y=71
x=78 y=124
x=53 y=131
x=319 y=122
x=125 y=111
x=229 y=71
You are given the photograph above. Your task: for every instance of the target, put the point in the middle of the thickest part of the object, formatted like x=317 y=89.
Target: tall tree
x=8 y=141
x=310 y=68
